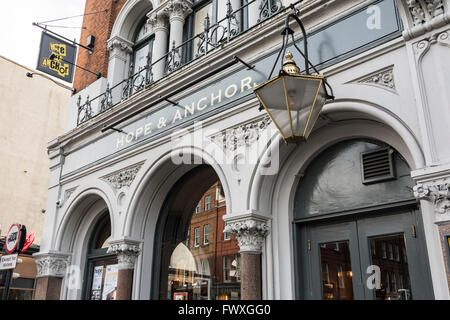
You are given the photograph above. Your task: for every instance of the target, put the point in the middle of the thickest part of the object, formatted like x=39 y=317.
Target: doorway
x=358 y=230
x=372 y=257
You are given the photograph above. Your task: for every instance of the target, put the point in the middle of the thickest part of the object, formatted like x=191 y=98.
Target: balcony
x=213 y=37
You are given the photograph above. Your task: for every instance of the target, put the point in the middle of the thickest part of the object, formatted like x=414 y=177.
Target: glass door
x=376 y=258
x=334 y=272
x=393 y=253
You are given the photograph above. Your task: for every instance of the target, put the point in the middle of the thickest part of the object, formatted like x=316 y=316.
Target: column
x=177 y=10
x=160 y=26
x=119 y=55
x=250 y=233
x=434 y=193
x=127 y=252
x=51 y=269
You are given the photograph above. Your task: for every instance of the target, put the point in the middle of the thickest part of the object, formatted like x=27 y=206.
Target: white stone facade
x=395 y=92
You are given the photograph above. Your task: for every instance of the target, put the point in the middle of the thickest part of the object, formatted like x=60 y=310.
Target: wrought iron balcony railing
x=213 y=37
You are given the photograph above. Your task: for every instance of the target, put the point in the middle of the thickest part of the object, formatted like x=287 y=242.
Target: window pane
x=199 y=20
x=395 y=283
x=103 y=280
x=206 y=234
x=140 y=57
x=337 y=272
x=210 y=268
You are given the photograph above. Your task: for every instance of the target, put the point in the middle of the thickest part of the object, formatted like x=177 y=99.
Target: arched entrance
x=193 y=258
x=358 y=233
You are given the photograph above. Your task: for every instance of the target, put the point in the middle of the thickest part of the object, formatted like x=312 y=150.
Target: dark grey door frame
x=356 y=226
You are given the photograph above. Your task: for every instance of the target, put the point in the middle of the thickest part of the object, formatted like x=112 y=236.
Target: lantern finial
x=289 y=65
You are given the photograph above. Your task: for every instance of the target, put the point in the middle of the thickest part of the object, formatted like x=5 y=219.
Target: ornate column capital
x=127 y=252
x=437 y=192
x=421 y=16
x=52 y=264
x=159 y=21
x=250 y=232
x=119 y=47
x=178 y=9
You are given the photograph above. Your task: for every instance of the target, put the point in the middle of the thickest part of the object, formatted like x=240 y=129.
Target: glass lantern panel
x=320 y=101
x=301 y=93
x=272 y=96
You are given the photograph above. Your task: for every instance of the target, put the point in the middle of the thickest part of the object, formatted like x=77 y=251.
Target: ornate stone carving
x=52 y=264
x=383 y=78
x=438 y=194
x=123 y=178
x=249 y=232
x=127 y=252
x=422 y=11
x=119 y=48
x=242 y=135
x=178 y=9
x=422 y=16
x=117 y=43
x=158 y=21
x=69 y=192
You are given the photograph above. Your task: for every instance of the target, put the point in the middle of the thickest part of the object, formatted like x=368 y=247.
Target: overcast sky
x=19 y=39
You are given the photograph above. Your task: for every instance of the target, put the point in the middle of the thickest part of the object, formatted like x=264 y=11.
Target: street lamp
x=294 y=100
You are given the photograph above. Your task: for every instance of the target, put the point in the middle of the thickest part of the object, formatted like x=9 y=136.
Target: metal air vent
x=377 y=165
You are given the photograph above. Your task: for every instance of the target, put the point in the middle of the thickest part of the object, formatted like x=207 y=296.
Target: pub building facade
x=172 y=131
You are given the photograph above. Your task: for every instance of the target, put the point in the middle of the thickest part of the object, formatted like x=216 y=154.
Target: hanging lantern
x=294 y=100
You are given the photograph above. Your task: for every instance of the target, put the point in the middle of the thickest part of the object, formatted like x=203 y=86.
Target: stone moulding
x=250 y=233
x=127 y=252
x=242 y=135
x=122 y=178
x=423 y=16
x=437 y=193
x=51 y=264
x=383 y=78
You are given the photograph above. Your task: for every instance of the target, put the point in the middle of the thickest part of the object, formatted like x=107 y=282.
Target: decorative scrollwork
x=84 y=111
x=173 y=61
x=106 y=101
x=148 y=72
x=268 y=8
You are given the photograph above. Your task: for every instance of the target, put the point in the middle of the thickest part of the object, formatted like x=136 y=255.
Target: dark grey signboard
x=56 y=57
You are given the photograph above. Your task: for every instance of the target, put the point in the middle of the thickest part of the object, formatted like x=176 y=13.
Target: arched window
x=142 y=54
x=193 y=261
x=102 y=268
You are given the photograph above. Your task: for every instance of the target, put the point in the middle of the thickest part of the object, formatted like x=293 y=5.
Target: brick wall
x=100 y=26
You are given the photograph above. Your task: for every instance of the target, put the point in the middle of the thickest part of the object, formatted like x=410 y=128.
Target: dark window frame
x=146 y=41
x=94 y=254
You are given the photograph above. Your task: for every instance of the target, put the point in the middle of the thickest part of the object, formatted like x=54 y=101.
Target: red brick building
x=215 y=253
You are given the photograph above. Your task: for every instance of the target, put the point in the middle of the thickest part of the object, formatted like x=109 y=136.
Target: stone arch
x=129 y=16
x=147 y=201
x=76 y=227
x=394 y=131
x=274 y=195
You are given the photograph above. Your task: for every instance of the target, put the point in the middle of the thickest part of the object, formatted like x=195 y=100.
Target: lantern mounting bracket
x=288 y=31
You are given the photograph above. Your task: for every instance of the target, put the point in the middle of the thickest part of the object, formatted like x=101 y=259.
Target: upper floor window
x=207 y=203
x=142 y=49
x=197 y=237
x=198 y=207
x=206 y=234
x=196 y=25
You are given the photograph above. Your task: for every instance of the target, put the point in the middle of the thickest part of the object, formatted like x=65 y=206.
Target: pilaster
x=159 y=22
x=250 y=231
x=51 y=269
x=119 y=55
x=127 y=252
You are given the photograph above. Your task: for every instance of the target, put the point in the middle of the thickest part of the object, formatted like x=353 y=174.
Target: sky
x=20 y=40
